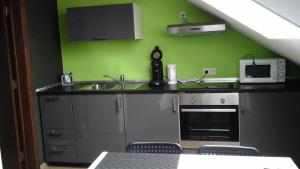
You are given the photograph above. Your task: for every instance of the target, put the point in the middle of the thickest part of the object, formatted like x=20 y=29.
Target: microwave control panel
x=281 y=70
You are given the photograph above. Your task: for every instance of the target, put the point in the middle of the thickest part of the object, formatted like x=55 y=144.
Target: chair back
x=228 y=150
x=154 y=147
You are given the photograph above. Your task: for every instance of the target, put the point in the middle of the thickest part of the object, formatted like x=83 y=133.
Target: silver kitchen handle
x=100 y=38
x=55 y=133
x=119 y=104
x=218 y=130
x=57 y=150
x=174 y=105
x=209 y=110
x=242 y=105
x=52 y=98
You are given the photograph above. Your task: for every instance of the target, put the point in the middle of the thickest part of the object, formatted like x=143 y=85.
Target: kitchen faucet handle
x=122 y=78
x=110 y=77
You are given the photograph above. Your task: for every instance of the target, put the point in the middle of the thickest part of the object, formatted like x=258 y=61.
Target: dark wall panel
x=44 y=48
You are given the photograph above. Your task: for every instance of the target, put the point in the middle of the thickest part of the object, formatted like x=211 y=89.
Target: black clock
x=156 y=53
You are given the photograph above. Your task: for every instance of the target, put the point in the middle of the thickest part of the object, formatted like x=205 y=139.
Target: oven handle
x=209 y=110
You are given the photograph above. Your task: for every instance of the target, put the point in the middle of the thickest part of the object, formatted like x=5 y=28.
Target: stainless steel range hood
x=189 y=29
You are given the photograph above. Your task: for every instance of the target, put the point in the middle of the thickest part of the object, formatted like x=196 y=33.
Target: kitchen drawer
x=56 y=111
x=65 y=154
x=59 y=136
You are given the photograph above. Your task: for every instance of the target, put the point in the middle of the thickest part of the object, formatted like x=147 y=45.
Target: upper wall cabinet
x=108 y=22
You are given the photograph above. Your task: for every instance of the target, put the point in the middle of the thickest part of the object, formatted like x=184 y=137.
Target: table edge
x=98 y=160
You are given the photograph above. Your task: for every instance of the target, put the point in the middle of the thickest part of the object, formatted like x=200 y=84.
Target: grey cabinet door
x=59 y=137
x=63 y=154
x=99 y=125
x=151 y=118
x=270 y=122
x=56 y=111
x=108 y=22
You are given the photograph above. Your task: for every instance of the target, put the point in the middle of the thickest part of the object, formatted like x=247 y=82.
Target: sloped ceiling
x=287 y=9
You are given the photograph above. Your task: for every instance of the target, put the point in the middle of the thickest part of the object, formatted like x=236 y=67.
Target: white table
x=188 y=161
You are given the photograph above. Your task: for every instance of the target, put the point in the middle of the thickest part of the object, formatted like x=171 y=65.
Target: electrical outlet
x=210 y=71
x=183 y=15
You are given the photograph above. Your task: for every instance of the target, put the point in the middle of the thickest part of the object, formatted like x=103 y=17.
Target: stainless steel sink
x=112 y=86
x=99 y=86
x=128 y=86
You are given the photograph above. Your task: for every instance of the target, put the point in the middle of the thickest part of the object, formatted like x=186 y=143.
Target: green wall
x=91 y=60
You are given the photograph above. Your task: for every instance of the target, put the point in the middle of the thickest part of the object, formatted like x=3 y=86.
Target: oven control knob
x=281 y=67
x=193 y=100
x=222 y=100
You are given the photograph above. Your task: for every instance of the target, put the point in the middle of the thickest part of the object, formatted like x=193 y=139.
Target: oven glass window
x=258 y=71
x=210 y=125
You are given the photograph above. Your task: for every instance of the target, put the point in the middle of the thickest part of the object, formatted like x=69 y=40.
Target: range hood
x=189 y=29
x=283 y=39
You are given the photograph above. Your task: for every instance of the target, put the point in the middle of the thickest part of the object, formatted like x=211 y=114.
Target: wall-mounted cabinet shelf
x=108 y=22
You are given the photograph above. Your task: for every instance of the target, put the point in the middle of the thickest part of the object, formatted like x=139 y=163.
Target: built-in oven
x=209 y=118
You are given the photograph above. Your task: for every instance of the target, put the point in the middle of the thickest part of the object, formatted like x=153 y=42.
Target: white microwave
x=262 y=70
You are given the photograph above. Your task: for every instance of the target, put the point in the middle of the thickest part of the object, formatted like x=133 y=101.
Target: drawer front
x=59 y=136
x=56 y=111
x=66 y=154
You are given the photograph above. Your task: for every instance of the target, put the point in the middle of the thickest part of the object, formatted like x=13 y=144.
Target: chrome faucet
x=122 y=78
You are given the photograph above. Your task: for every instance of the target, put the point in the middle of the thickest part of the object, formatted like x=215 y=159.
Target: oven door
x=209 y=123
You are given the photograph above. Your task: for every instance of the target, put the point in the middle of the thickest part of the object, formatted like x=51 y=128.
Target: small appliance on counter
x=157 y=68
x=172 y=74
x=67 y=79
x=262 y=70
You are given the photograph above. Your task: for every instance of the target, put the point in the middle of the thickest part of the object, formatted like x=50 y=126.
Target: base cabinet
x=270 y=122
x=151 y=118
x=99 y=125
x=58 y=128
x=61 y=154
x=77 y=128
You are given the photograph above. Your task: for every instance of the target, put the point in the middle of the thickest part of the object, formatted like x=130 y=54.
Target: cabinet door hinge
x=14 y=85
x=5 y=10
x=21 y=156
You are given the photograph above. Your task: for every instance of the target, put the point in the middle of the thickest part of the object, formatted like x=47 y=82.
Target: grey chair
x=154 y=147
x=228 y=150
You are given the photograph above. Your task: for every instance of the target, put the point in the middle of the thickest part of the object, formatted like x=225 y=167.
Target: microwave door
x=260 y=72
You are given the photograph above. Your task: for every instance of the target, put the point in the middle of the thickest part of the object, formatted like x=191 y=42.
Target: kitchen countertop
x=143 y=87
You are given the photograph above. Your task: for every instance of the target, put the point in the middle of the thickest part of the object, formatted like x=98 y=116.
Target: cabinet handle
x=57 y=150
x=242 y=105
x=209 y=110
x=83 y=126
x=52 y=98
x=174 y=105
x=100 y=38
x=119 y=104
x=54 y=133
